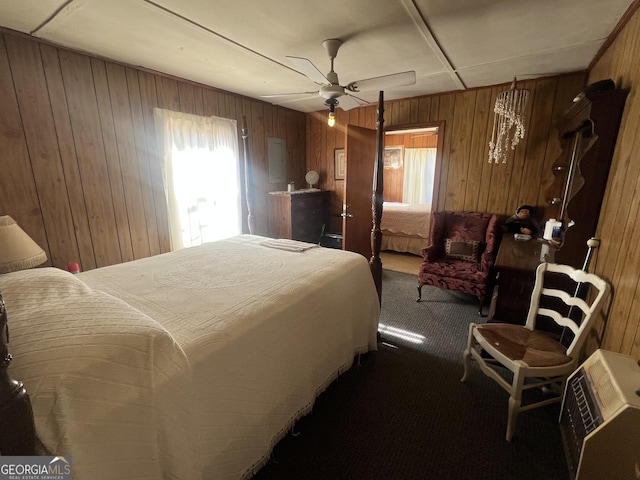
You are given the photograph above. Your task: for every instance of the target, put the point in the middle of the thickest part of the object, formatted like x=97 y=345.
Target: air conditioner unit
x=600 y=418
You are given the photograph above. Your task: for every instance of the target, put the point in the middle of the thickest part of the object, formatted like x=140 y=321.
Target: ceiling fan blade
x=347 y=102
x=383 y=82
x=309 y=69
x=298 y=94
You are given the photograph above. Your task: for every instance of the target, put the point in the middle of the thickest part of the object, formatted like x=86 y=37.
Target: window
x=419 y=175
x=201 y=177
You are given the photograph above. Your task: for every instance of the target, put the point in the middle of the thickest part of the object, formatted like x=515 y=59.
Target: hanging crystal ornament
x=509 y=111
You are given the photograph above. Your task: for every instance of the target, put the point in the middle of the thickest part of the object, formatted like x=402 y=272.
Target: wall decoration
x=510 y=112
x=339 y=165
x=393 y=157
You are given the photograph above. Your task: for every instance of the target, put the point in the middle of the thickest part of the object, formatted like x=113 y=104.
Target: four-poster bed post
x=376 y=201
x=248 y=183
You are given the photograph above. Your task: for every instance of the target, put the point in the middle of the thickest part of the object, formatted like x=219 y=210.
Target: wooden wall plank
x=145 y=185
x=210 y=103
x=60 y=112
x=478 y=148
x=459 y=153
x=128 y=159
x=424 y=110
x=222 y=104
x=371 y=117
x=199 y=101
x=149 y=101
x=110 y=148
x=413 y=110
x=230 y=106
x=40 y=135
x=260 y=165
x=18 y=194
x=90 y=149
x=168 y=93
x=446 y=105
x=187 y=95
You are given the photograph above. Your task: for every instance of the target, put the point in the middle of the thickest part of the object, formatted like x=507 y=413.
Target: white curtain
x=201 y=176
x=419 y=173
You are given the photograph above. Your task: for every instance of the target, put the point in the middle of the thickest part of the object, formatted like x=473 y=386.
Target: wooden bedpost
x=248 y=177
x=17 y=427
x=376 y=201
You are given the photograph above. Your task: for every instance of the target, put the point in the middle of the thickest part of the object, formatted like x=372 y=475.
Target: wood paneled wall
x=81 y=171
x=618 y=257
x=465 y=180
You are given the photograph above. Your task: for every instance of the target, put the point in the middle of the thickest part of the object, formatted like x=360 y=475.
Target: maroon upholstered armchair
x=462 y=251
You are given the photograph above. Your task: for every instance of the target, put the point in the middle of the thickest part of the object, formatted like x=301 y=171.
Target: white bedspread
x=106 y=381
x=249 y=334
x=406 y=218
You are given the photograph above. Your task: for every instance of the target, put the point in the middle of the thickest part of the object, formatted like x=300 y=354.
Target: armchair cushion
x=462 y=249
x=454 y=274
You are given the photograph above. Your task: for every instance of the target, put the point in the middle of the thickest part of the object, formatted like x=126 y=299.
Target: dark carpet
x=404 y=414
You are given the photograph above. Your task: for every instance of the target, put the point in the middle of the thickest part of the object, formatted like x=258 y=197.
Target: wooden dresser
x=298 y=215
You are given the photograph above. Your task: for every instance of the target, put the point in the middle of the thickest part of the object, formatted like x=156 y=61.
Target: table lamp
x=17 y=250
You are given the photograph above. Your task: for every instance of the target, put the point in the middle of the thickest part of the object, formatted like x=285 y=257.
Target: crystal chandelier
x=509 y=111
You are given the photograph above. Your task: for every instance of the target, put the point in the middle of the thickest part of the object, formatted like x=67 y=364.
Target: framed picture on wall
x=338 y=163
x=393 y=157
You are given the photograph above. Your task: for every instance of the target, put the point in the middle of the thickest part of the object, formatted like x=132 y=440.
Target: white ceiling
x=241 y=45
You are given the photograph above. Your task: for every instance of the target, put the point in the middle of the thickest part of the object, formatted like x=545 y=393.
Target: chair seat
x=533 y=347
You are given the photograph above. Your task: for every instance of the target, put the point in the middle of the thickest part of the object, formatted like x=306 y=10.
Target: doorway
x=411 y=149
x=412 y=166
x=412 y=163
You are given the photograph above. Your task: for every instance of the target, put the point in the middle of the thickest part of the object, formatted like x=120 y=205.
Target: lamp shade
x=17 y=250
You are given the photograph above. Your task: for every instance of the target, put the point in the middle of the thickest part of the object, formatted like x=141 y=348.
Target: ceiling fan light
x=331 y=121
x=331 y=103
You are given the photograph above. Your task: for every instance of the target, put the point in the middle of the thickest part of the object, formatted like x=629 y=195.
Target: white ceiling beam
x=431 y=41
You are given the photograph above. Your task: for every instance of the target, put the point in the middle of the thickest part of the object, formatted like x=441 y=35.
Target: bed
x=405 y=227
x=190 y=364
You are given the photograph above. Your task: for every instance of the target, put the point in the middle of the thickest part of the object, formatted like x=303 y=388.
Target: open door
x=360 y=157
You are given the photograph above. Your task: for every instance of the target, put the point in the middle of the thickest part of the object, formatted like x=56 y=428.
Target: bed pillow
x=463 y=249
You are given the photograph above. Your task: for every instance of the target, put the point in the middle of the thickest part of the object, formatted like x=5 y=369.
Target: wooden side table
x=515 y=268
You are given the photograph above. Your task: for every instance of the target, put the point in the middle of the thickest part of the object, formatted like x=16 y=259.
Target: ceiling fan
x=330 y=88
